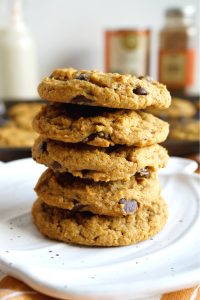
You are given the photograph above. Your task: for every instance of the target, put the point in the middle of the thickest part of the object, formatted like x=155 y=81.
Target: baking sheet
x=8 y=154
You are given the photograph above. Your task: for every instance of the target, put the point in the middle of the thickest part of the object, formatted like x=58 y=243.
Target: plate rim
x=34 y=282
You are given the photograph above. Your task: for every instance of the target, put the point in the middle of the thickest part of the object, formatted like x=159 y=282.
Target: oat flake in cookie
x=99 y=164
x=103 y=89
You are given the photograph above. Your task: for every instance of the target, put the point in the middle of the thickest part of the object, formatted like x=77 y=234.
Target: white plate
x=169 y=261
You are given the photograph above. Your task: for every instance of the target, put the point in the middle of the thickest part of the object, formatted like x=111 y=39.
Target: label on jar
x=127 y=52
x=176 y=69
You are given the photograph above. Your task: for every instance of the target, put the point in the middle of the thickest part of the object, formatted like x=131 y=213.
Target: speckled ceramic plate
x=168 y=261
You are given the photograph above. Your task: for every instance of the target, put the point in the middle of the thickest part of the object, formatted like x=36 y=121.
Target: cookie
x=116 y=198
x=85 y=228
x=179 y=108
x=13 y=136
x=103 y=89
x=99 y=127
x=23 y=114
x=188 y=130
x=99 y=164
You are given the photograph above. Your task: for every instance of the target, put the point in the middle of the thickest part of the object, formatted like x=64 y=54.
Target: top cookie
x=104 y=89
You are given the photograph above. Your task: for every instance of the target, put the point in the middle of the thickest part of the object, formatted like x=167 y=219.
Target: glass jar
x=127 y=51
x=177 y=53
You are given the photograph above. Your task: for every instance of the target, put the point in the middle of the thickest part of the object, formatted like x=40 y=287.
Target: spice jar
x=177 y=53
x=127 y=51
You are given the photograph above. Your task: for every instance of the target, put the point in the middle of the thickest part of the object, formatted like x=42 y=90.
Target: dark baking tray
x=13 y=153
x=181 y=148
x=8 y=154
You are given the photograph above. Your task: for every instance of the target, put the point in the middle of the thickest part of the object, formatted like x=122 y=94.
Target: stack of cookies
x=101 y=187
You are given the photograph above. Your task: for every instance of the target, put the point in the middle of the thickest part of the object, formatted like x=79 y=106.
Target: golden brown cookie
x=85 y=228
x=23 y=114
x=179 y=108
x=13 y=136
x=99 y=127
x=99 y=164
x=116 y=198
x=188 y=130
x=103 y=89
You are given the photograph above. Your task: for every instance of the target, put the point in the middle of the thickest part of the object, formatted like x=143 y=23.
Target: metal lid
x=186 y=11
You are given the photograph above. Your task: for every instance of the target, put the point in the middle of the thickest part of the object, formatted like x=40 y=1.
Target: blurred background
x=129 y=36
x=71 y=33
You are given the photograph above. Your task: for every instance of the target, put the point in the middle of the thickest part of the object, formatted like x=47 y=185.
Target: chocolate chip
x=64 y=179
x=140 y=91
x=83 y=76
x=56 y=165
x=129 y=206
x=92 y=136
x=142 y=173
x=43 y=147
x=81 y=100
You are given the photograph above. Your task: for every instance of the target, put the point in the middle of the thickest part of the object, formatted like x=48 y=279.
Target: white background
x=70 y=32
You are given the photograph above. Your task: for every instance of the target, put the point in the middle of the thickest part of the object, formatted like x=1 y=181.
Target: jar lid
x=186 y=11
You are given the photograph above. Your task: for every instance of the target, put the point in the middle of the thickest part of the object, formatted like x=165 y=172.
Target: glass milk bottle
x=18 y=62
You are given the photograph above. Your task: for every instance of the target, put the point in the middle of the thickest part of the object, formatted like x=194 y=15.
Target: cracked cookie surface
x=116 y=198
x=85 y=228
x=103 y=89
x=99 y=127
x=99 y=164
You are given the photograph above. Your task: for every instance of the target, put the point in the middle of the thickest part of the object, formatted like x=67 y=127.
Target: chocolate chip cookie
x=99 y=164
x=89 y=229
x=116 y=198
x=23 y=114
x=188 y=130
x=103 y=89
x=179 y=108
x=13 y=136
x=99 y=127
